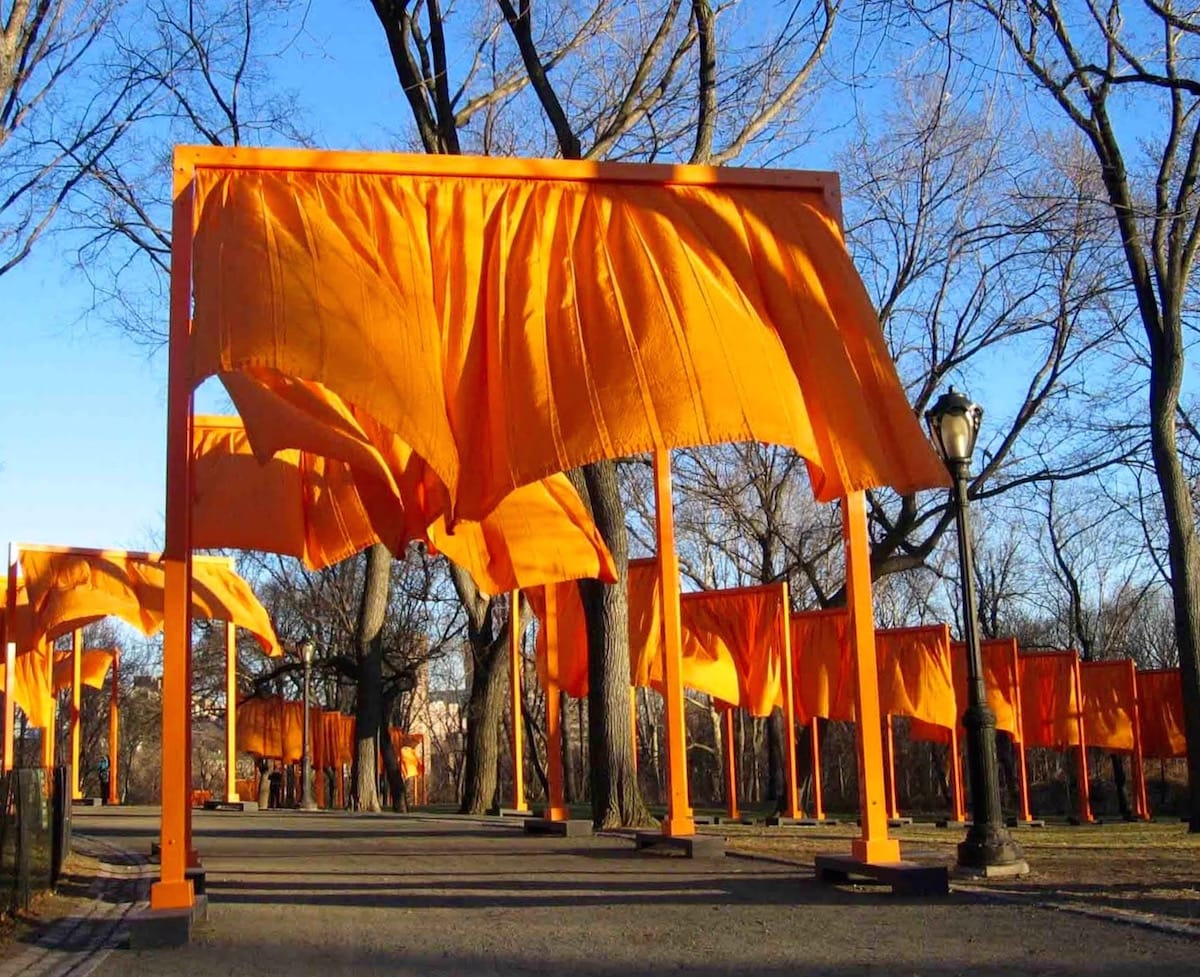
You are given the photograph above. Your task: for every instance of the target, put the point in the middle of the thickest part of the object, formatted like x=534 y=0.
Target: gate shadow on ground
x=550 y=892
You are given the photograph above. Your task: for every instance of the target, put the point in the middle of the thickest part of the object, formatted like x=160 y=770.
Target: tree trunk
x=1118 y=769
x=485 y=712
x=775 y=760
x=395 y=779
x=616 y=800
x=1166 y=376
x=369 y=708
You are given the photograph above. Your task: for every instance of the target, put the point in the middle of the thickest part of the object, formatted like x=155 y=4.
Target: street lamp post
x=988 y=849
x=307 y=649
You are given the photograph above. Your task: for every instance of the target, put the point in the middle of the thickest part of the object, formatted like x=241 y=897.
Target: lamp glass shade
x=954 y=425
x=307 y=650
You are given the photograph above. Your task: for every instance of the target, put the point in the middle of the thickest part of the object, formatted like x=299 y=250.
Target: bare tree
x=1089 y=63
x=605 y=80
x=57 y=115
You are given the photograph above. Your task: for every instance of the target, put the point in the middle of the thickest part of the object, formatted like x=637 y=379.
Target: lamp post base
x=989 y=847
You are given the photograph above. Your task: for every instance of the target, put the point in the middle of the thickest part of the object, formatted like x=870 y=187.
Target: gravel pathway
x=328 y=894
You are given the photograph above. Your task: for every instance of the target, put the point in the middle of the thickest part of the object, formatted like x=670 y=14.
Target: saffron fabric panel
x=93 y=668
x=823 y=673
x=731 y=642
x=1109 y=697
x=741 y=632
x=512 y=328
x=1160 y=710
x=539 y=533
x=31 y=687
x=271 y=727
x=915 y=676
x=293 y=503
x=1049 y=704
x=69 y=589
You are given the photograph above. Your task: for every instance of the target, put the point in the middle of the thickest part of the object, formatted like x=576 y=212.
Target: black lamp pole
x=307 y=648
x=988 y=849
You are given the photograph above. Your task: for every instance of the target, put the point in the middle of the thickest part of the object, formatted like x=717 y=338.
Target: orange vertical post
x=730 y=744
x=792 y=809
x=174 y=890
x=48 y=734
x=814 y=748
x=556 y=808
x=514 y=682
x=679 y=821
x=958 y=801
x=76 y=702
x=114 y=726
x=889 y=766
x=8 y=719
x=1085 y=791
x=231 y=793
x=1141 y=801
x=1019 y=738
x=874 y=845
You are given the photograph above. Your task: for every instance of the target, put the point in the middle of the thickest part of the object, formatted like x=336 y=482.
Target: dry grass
x=72 y=893
x=1127 y=868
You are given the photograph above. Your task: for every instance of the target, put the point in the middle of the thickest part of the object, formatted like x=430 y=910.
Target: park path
x=333 y=894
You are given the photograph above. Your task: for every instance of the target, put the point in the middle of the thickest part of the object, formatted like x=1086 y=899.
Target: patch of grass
x=1144 y=868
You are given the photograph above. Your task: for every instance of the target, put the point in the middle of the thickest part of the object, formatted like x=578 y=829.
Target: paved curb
x=76 y=945
x=1127 y=917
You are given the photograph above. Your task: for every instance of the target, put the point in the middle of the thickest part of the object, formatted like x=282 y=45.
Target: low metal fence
x=35 y=833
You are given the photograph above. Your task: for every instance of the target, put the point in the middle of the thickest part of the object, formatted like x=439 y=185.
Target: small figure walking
x=102 y=773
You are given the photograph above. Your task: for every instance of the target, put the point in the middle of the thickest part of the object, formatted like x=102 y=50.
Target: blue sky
x=83 y=439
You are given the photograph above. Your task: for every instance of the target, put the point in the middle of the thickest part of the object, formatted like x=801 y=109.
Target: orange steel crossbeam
x=679 y=821
x=874 y=845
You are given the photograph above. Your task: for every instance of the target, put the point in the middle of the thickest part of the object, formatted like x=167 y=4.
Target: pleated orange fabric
x=915 y=675
x=823 y=673
x=741 y=633
x=999 y=656
x=1049 y=704
x=571 y=675
x=31 y=687
x=552 y=321
x=1160 y=710
x=540 y=533
x=93 y=668
x=271 y=727
x=294 y=503
x=67 y=590
x=260 y=727
x=1109 y=695
x=732 y=641
x=406 y=746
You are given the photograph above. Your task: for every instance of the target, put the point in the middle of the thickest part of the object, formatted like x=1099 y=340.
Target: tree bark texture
x=616 y=799
x=1166 y=379
x=368 y=717
x=485 y=713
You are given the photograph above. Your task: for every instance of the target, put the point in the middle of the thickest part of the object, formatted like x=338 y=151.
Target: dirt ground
x=334 y=894
x=1151 y=869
